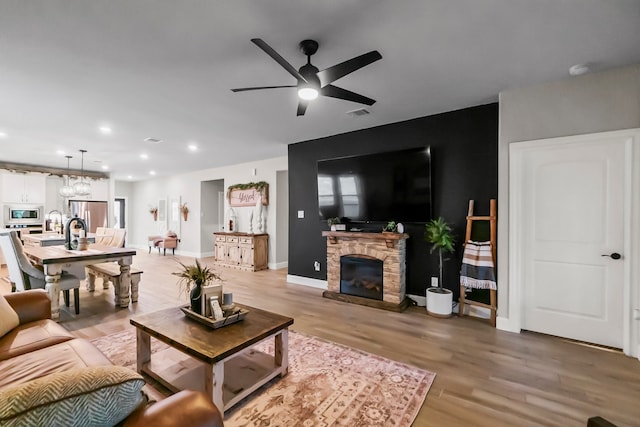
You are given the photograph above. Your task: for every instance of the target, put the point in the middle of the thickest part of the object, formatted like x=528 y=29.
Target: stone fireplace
x=353 y=259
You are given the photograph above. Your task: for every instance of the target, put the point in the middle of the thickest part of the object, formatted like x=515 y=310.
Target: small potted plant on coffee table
x=439 y=234
x=192 y=278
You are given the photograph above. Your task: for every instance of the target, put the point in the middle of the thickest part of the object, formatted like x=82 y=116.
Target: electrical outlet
x=300 y=214
x=434 y=282
x=316 y=266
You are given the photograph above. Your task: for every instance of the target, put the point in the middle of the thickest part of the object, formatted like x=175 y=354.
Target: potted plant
x=391 y=227
x=439 y=234
x=332 y=222
x=192 y=278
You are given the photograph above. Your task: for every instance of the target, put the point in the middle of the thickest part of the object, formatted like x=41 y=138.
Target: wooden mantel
x=390 y=238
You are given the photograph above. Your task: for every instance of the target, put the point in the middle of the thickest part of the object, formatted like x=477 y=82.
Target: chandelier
x=67 y=190
x=82 y=187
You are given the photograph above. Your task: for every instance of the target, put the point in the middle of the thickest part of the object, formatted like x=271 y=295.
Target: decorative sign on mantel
x=248 y=194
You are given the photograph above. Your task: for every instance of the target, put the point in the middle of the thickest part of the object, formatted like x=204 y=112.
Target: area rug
x=328 y=385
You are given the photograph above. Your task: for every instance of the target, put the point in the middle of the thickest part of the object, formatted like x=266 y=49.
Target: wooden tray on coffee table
x=212 y=323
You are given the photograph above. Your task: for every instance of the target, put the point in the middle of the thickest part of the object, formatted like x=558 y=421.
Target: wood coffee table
x=221 y=362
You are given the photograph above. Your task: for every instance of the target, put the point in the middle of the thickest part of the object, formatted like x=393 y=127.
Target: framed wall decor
x=207 y=293
x=247 y=194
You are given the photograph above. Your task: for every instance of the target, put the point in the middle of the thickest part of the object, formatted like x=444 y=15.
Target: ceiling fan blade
x=337 y=92
x=244 y=89
x=279 y=59
x=332 y=74
x=302 y=107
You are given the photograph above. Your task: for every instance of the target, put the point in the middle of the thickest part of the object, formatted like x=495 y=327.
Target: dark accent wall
x=464 y=165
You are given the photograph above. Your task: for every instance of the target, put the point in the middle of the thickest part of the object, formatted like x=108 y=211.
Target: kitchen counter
x=50 y=239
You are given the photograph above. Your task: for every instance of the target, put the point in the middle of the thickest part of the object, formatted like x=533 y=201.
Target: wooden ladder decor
x=491 y=219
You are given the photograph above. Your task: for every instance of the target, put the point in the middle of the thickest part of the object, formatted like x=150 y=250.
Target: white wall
x=282 y=248
x=591 y=103
x=188 y=188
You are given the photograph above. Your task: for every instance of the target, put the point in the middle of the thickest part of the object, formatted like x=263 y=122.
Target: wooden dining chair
x=25 y=275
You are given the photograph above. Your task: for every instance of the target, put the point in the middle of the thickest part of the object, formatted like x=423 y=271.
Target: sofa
x=49 y=377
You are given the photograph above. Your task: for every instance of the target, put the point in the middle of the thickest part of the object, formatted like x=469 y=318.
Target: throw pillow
x=99 y=396
x=8 y=317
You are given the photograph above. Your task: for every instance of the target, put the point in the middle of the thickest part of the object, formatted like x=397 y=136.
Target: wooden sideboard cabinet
x=241 y=250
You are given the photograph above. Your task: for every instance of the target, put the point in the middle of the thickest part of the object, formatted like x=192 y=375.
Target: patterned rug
x=328 y=385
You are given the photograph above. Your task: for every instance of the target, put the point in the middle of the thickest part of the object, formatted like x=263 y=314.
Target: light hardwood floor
x=485 y=377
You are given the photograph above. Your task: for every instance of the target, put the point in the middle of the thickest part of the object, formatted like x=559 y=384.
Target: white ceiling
x=163 y=69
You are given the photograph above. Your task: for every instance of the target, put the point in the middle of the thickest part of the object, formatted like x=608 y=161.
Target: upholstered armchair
x=25 y=276
x=168 y=241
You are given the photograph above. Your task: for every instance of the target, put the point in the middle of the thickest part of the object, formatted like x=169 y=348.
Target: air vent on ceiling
x=153 y=140
x=358 y=112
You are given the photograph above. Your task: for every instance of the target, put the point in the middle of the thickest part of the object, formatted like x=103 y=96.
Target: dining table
x=54 y=258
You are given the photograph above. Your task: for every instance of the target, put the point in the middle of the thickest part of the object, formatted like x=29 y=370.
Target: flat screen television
x=380 y=187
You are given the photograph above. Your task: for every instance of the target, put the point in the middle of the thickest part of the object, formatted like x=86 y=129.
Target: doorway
x=570 y=236
x=118 y=211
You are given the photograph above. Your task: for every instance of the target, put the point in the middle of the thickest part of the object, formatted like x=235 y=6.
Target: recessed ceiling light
x=105 y=130
x=578 y=69
x=3 y=134
x=60 y=152
x=152 y=172
x=129 y=177
x=193 y=147
x=144 y=156
x=105 y=167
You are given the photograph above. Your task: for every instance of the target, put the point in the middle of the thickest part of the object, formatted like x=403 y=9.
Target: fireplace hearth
x=361 y=277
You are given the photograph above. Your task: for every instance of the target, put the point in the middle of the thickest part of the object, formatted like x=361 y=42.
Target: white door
x=572 y=205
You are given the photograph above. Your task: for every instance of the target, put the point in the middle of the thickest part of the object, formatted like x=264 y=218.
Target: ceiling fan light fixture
x=308 y=93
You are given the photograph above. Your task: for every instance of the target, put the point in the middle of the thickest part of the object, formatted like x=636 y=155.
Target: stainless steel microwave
x=19 y=214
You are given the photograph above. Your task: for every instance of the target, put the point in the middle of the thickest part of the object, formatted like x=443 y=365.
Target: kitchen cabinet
x=242 y=251
x=23 y=188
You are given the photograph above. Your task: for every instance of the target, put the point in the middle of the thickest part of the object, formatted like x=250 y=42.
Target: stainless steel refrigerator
x=95 y=214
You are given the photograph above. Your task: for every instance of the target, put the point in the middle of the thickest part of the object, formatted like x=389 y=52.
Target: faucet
x=67 y=232
x=56 y=224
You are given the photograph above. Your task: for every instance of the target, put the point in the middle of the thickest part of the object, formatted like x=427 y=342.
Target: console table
x=243 y=251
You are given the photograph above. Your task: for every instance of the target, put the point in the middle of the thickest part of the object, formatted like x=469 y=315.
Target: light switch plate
x=434 y=282
x=300 y=214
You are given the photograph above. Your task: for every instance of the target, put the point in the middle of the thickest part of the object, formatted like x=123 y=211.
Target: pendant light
x=82 y=188
x=67 y=190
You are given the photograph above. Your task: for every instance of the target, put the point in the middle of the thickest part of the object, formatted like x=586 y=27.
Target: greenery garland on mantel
x=259 y=186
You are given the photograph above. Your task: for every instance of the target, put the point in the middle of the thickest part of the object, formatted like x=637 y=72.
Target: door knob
x=614 y=255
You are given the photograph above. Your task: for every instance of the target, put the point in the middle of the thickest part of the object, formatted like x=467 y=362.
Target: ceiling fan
x=311 y=81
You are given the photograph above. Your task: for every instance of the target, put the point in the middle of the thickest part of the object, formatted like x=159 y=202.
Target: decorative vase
x=439 y=302
x=196 y=299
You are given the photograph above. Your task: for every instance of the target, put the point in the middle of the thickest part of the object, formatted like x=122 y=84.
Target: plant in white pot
x=439 y=234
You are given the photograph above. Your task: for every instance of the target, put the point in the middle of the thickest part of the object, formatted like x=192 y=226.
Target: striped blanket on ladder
x=477 y=266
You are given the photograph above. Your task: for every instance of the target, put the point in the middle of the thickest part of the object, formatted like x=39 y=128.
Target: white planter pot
x=439 y=302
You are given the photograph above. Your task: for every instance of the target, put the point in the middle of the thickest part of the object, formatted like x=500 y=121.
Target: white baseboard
x=504 y=324
x=307 y=281
x=421 y=301
x=278 y=265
